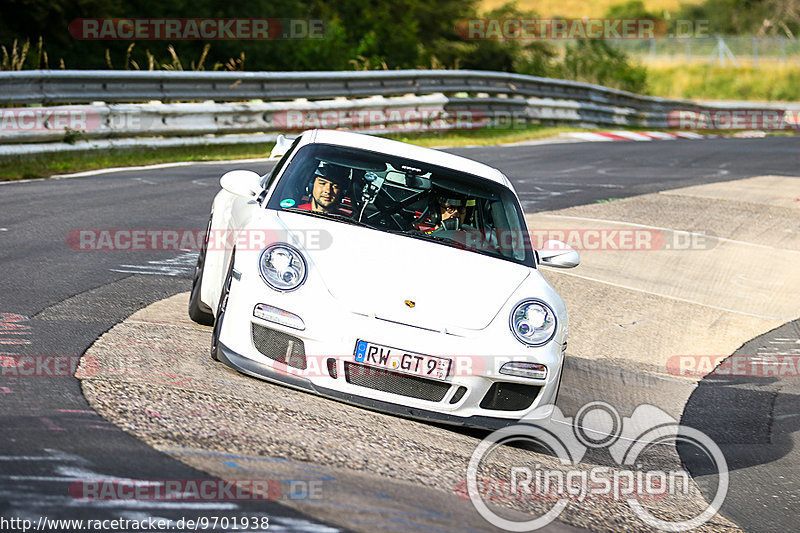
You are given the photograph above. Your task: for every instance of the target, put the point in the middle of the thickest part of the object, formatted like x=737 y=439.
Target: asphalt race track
x=56 y=301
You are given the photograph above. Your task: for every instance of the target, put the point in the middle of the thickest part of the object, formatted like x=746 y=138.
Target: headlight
x=282 y=267
x=533 y=322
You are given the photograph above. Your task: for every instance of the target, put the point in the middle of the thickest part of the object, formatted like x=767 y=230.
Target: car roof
x=402 y=149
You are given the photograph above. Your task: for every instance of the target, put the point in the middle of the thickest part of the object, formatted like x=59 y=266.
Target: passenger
x=452 y=212
x=452 y=208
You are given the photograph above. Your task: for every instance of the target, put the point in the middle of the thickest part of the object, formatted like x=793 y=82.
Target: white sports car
x=386 y=275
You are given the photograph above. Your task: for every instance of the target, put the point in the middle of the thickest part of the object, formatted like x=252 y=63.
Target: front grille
x=504 y=396
x=394 y=382
x=279 y=346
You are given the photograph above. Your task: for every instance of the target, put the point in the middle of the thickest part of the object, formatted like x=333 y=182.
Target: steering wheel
x=391 y=212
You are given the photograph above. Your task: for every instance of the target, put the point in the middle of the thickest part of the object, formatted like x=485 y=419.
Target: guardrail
x=85 y=86
x=191 y=104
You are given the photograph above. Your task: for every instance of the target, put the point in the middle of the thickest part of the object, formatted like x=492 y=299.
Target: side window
x=269 y=178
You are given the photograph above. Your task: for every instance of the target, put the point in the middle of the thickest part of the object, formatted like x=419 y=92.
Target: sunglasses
x=452 y=208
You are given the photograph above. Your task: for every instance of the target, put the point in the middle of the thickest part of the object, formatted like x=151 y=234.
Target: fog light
x=278 y=316
x=524 y=370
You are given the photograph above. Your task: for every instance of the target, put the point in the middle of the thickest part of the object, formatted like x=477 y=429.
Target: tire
x=223 y=304
x=198 y=311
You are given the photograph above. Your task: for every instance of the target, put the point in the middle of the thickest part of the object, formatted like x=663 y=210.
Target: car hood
x=406 y=280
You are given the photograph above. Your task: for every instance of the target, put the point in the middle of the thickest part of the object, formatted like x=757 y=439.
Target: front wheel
x=198 y=311
x=223 y=304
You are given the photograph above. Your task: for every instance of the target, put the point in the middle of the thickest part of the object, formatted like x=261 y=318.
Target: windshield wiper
x=449 y=242
x=426 y=237
x=329 y=216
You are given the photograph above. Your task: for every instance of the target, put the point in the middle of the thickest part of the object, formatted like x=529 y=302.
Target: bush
x=595 y=61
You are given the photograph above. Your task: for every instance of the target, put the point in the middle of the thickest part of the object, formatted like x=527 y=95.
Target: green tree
x=595 y=61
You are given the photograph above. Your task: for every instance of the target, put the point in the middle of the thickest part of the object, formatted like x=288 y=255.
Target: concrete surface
x=152 y=376
x=717 y=273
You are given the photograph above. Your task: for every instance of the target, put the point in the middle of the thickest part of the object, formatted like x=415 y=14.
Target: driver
x=327 y=189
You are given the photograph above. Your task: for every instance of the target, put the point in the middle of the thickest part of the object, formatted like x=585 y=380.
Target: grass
x=713 y=82
x=483 y=137
x=42 y=166
x=45 y=165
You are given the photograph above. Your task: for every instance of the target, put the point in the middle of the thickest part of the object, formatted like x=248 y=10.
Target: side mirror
x=559 y=255
x=282 y=145
x=244 y=183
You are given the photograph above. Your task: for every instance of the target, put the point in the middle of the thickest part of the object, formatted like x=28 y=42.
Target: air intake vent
x=503 y=396
x=394 y=382
x=458 y=395
x=332 y=368
x=279 y=346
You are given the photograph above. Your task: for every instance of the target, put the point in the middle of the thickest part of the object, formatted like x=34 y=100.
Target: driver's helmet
x=331 y=172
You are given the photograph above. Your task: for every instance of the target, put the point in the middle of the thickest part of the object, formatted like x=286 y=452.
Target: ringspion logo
x=599 y=426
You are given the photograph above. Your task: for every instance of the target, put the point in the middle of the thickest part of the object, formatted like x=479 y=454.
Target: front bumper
x=267 y=372
x=319 y=357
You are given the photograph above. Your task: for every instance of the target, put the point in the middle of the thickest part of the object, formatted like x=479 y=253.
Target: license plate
x=403 y=361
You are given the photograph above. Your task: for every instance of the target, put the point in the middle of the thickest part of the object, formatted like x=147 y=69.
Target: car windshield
x=406 y=197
